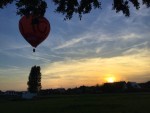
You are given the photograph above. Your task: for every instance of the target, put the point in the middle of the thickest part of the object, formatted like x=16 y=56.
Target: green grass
x=104 y=103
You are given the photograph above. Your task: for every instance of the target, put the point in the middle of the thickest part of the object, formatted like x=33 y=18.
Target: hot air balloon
x=34 y=29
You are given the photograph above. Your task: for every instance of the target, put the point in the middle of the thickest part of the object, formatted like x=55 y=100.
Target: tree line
x=34 y=86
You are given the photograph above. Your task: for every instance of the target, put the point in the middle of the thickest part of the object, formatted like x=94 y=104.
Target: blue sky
x=103 y=44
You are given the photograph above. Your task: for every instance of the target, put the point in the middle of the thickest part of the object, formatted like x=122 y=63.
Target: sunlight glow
x=110 y=79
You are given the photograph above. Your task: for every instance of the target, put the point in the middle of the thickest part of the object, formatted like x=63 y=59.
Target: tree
x=34 y=83
x=69 y=7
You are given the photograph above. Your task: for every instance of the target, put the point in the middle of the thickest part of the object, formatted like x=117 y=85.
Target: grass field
x=103 y=103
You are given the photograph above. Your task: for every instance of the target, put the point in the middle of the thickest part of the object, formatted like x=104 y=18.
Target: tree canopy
x=70 y=7
x=34 y=83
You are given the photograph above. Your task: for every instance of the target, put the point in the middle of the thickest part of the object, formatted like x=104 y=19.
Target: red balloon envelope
x=34 y=33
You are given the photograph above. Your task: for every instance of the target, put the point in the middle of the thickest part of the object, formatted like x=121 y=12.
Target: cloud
x=69 y=43
x=5 y=69
x=135 y=49
x=90 y=71
x=108 y=35
x=131 y=36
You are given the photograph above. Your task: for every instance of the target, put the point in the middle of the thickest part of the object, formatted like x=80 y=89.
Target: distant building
x=1 y=93
x=145 y=85
x=12 y=93
x=133 y=85
x=60 y=90
x=115 y=87
x=28 y=95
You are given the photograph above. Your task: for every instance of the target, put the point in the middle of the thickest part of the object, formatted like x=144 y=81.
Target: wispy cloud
x=95 y=69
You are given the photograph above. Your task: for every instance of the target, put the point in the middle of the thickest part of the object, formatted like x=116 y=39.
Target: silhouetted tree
x=69 y=7
x=34 y=83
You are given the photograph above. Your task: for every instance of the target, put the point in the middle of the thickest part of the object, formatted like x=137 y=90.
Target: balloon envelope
x=34 y=33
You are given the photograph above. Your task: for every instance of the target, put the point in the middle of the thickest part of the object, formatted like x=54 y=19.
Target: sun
x=110 y=79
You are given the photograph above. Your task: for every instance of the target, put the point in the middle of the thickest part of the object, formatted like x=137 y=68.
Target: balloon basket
x=33 y=50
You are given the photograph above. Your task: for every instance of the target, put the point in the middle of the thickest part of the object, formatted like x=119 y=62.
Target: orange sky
x=94 y=71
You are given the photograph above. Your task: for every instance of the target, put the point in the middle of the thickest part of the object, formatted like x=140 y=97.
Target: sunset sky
x=103 y=44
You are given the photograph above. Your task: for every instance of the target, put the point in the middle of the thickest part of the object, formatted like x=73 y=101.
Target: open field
x=103 y=103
